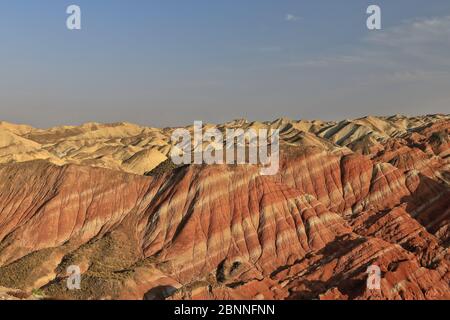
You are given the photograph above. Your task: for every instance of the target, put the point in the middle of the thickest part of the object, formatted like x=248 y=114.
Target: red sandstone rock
x=225 y=232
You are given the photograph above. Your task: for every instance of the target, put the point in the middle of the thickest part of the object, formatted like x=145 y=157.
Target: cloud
x=413 y=32
x=291 y=17
x=401 y=69
x=416 y=75
x=411 y=49
x=420 y=42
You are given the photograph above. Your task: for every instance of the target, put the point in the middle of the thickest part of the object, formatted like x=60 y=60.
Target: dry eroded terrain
x=349 y=194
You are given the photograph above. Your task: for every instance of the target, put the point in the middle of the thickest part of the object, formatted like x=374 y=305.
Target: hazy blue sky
x=167 y=62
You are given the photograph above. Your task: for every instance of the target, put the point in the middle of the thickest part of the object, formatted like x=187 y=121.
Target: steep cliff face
x=226 y=232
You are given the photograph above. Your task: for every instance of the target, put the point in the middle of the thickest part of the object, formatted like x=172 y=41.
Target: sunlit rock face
x=348 y=195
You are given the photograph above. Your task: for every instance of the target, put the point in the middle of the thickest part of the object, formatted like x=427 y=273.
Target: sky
x=169 y=62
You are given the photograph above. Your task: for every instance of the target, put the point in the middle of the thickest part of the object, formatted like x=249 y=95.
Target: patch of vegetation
x=92 y=287
x=186 y=291
x=226 y=270
x=38 y=293
x=24 y=271
x=110 y=257
x=111 y=260
x=220 y=274
x=18 y=294
x=147 y=262
x=235 y=266
x=439 y=137
x=163 y=168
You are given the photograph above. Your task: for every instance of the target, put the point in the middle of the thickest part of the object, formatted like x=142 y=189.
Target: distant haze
x=168 y=63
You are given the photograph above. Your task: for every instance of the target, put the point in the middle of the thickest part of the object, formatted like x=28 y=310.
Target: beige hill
x=137 y=149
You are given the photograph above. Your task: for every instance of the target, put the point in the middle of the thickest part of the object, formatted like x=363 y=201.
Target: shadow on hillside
x=160 y=293
x=429 y=204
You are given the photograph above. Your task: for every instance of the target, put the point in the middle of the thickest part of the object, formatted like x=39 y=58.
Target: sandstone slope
x=349 y=195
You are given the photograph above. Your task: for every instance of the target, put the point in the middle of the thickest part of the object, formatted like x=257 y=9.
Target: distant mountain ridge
x=114 y=146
